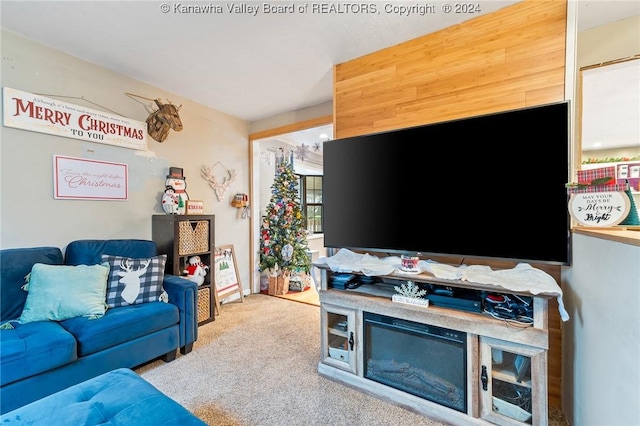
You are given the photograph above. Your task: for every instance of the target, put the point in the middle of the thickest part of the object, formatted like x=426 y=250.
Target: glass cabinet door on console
x=512 y=383
x=338 y=343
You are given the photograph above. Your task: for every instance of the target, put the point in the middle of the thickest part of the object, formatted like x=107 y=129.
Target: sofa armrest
x=183 y=293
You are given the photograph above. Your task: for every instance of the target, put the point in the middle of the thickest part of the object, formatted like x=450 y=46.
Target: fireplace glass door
x=423 y=360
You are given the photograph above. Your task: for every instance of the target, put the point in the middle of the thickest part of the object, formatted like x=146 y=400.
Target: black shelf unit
x=183 y=236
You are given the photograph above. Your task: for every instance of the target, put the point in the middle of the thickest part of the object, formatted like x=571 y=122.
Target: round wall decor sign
x=599 y=208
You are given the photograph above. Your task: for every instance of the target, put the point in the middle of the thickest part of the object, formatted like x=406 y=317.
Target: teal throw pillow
x=134 y=281
x=59 y=292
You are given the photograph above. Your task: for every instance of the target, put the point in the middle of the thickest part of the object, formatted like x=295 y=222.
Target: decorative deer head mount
x=162 y=120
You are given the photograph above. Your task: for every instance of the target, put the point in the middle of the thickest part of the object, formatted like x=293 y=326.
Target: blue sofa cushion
x=119 y=397
x=89 y=252
x=120 y=325
x=15 y=264
x=30 y=349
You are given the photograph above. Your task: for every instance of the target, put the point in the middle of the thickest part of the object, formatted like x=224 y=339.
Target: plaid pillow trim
x=134 y=281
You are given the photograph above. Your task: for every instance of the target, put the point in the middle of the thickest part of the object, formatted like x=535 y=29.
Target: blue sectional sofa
x=40 y=358
x=99 y=401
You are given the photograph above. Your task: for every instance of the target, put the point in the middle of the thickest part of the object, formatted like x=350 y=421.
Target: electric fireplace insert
x=424 y=360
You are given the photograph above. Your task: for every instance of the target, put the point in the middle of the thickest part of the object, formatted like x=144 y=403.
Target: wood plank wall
x=509 y=59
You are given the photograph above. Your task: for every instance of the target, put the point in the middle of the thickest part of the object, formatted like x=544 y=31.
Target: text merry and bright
x=599 y=208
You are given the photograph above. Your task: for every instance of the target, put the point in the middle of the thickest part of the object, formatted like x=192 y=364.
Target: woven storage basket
x=193 y=236
x=278 y=285
x=204 y=304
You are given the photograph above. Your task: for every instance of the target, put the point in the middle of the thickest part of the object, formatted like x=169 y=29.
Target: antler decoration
x=207 y=174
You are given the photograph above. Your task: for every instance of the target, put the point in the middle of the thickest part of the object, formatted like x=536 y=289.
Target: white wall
x=602 y=340
x=616 y=40
x=286 y=118
x=619 y=39
x=601 y=344
x=30 y=216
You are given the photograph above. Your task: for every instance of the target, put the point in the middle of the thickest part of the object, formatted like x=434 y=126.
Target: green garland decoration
x=610 y=160
x=607 y=180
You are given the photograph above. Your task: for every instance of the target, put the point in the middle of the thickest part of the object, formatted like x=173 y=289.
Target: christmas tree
x=283 y=239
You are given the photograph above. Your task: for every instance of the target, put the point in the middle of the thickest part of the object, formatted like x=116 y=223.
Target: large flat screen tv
x=491 y=186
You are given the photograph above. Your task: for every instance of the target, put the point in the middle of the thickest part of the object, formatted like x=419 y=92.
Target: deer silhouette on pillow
x=131 y=279
x=135 y=280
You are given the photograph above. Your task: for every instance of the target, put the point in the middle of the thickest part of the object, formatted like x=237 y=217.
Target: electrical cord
x=514 y=309
x=519 y=319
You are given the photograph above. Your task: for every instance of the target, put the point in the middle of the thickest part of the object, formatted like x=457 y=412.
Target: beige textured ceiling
x=244 y=59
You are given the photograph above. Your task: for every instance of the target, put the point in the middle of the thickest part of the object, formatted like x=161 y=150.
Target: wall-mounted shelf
x=625 y=171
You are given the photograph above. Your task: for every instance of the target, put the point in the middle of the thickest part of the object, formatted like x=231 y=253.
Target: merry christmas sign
x=37 y=113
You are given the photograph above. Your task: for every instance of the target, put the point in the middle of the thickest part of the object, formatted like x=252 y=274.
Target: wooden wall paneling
x=545 y=95
x=509 y=59
x=554 y=365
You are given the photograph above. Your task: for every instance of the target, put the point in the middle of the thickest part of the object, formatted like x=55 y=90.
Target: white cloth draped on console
x=522 y=278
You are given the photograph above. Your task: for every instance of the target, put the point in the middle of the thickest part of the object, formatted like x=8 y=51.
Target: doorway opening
x=303 y=143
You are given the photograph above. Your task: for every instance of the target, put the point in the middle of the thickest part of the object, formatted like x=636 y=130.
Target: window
x=311 y=203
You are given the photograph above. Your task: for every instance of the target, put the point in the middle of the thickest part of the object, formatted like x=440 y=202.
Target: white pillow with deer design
x=135 y=281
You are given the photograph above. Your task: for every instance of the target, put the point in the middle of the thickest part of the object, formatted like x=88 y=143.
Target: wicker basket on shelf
x=194 y=237
x=204 y=304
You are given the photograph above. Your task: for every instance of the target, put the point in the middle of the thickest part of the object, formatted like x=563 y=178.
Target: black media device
x=468 y=301
x=491 y=186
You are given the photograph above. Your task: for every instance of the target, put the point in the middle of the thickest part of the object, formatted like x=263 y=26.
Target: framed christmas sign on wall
x=82 y=179
x=37 y=113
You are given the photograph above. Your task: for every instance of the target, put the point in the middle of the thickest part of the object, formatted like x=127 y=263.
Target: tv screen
x=491 y=186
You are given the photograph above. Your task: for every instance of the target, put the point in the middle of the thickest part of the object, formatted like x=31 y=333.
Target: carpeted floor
x=256 y=365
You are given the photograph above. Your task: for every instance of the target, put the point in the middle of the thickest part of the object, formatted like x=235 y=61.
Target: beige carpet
x=256 y=365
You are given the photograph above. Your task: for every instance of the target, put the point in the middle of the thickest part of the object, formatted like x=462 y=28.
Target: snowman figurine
x=175 y=196
x=196 y=270
x=170 y=201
